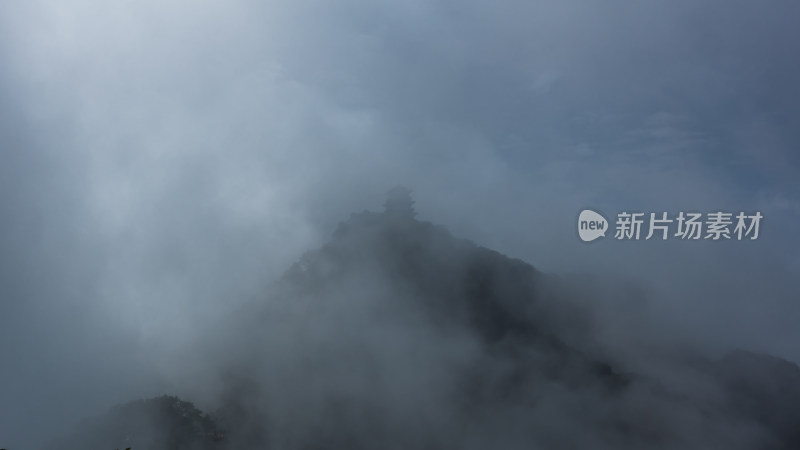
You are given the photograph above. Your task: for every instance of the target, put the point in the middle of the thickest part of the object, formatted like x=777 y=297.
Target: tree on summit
x=399 y=203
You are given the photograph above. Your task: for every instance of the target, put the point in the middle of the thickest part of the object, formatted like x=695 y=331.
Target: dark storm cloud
x=163 y=160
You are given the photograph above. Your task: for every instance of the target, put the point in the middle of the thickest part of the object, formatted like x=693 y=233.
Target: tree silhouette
x=399 y=203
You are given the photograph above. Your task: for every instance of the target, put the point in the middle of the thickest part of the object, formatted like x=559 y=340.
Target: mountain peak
x=399 y=203
x=395 y=317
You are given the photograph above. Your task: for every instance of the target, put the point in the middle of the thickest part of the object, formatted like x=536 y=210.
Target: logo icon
x=591 y=225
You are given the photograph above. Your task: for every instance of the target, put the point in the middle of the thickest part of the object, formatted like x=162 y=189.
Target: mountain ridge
x=494 y=348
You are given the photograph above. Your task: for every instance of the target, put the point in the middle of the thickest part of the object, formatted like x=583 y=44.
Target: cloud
x=163 y=160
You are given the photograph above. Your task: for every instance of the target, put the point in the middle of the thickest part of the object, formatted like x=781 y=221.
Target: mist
x=162 y=164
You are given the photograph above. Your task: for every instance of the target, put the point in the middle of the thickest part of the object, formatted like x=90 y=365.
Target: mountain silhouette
x=165 y=422
x=395 y=334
